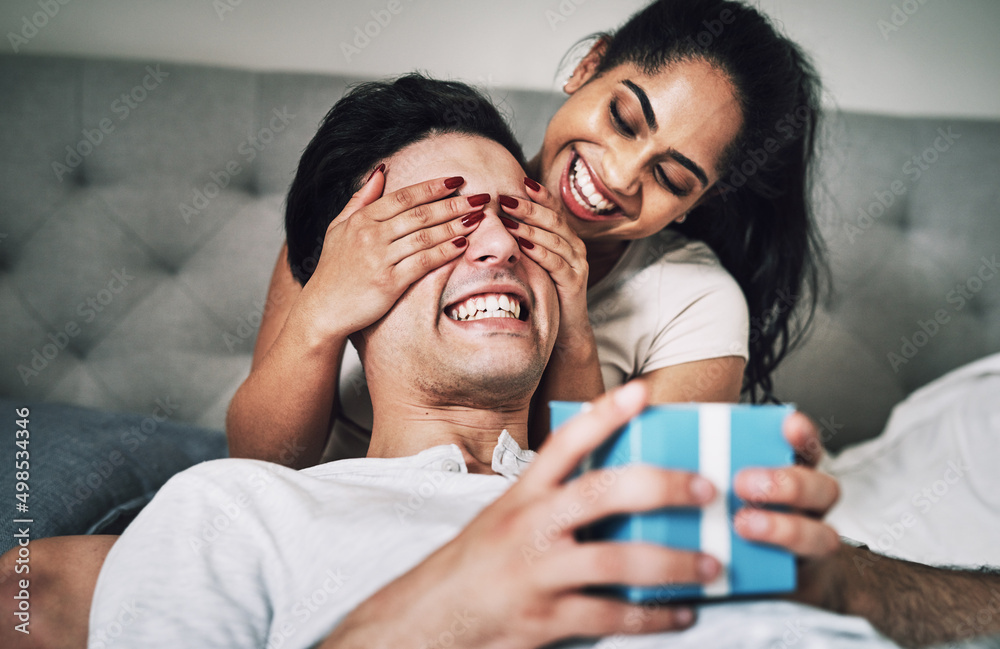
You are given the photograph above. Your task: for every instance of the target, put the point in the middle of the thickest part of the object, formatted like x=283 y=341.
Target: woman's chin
x=595 y=231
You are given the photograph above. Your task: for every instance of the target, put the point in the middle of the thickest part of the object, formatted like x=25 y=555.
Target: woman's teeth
x=590 y=198
x=480 y=307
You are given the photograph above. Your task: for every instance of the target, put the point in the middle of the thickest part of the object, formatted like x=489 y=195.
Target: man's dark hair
x=370 y=123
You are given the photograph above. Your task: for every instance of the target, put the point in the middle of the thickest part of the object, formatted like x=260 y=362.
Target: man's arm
x=913 y=604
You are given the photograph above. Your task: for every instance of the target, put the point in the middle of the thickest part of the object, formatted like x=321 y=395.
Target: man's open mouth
x=585 y=190
x=487 y=305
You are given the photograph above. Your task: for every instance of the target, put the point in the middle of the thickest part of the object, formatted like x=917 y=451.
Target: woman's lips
x=583 y=194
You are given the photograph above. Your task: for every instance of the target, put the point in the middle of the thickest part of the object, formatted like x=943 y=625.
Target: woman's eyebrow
x=647 y=108
x=647 y=112
x=690 y=165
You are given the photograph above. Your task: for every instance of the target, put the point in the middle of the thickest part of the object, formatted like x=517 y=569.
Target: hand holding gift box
x=716 y=441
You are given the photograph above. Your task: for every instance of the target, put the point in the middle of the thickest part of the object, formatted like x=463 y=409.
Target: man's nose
x=492 y=243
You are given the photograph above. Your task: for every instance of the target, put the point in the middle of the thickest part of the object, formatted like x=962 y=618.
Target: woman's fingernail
x=510 y=224
x=472 y=219
x=524 y=243
x=479 y=199
x=460 y=242
x=531 y=184
x=702 y=489
x=453 y=182
x=683 y=616
x=508 y=202
x=381 y=167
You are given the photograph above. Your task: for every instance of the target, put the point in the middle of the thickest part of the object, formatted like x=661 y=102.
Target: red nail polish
x=479 y=199
x=524 y=243
x=472 y=219
x=381 y=167
x=454 y=181
x=508 y=202
x=460 y=242
x=510 y=224
x=531 y=184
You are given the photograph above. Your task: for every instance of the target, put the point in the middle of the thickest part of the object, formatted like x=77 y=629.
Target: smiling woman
x=670 y=124
x=667 y=203
x=609 y=138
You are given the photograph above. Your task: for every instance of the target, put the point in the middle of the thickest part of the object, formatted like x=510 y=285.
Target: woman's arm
x=573 y=372
x=710 y=380
x=283 y=410
x=282 y=292
x=569 y=377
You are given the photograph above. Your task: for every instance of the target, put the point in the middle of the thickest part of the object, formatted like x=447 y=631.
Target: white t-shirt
x=244 y=553
x=666 y=301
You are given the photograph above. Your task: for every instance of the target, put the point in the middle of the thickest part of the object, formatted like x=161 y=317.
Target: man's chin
x=486 y=386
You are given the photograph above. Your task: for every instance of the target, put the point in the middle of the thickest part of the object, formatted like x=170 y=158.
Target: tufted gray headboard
x=140 y=215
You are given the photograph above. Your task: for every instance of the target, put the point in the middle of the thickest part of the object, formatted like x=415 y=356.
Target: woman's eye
x=663 y=179
x=617 y=120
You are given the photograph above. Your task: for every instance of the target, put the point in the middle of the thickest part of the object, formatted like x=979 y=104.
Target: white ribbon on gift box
x=714 y=433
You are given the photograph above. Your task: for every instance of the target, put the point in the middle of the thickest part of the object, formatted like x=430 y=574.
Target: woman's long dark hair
x=758 y=221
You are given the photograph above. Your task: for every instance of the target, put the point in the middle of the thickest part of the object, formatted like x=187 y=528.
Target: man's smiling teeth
x=492 y=305
x=594 y=201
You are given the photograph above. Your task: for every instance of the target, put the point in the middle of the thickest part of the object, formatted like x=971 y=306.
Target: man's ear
x=587 y=66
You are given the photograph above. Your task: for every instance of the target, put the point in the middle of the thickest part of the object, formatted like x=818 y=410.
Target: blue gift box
x=716 y=441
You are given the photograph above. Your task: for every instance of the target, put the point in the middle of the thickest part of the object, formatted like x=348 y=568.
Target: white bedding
x=928 y=488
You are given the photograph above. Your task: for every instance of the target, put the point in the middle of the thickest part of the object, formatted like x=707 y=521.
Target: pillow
x=90 y=472
x=926 y=489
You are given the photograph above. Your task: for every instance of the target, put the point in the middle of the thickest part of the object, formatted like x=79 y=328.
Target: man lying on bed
x=423 y=542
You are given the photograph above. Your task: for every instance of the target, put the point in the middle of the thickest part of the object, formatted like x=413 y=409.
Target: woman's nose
x=621 y=169
x=492 y=242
